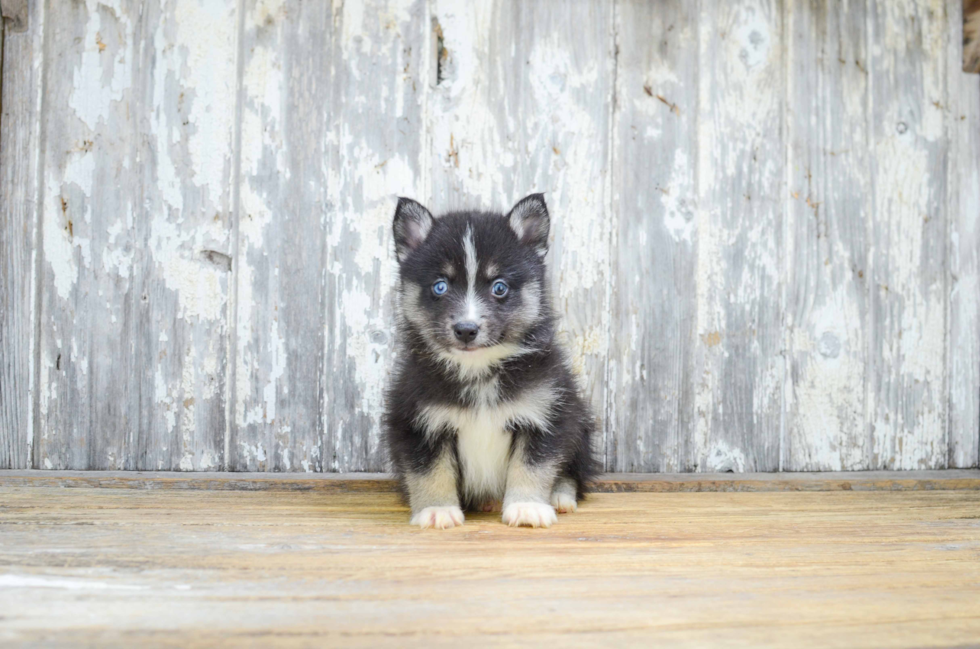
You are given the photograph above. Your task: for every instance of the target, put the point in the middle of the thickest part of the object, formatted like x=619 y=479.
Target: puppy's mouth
x=484 y=342
x=474 y=346
x=470 y=347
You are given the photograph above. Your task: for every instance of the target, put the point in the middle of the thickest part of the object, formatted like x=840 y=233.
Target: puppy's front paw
x=529 y=514
x=563 y=502
x=440 y=518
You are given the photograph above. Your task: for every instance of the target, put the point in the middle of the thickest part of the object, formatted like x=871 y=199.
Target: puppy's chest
x=483 y=442
x=483 y=432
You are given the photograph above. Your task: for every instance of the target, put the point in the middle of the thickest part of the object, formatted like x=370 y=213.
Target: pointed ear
x=411 y=226
x=530 y=222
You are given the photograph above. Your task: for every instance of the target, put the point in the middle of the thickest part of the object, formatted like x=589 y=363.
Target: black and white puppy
x=483 y=412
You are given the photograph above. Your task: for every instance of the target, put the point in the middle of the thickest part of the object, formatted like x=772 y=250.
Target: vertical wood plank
x=20 y=86
x=741 y=196
x=908 y=300
x=186 y=126
x=88 y=382
x=137 y=158
x=332 y=130
x=652 y=341
x=829 y=208
x=377 y=126
x=963 y=210
x=282 y=213
x=521 y=104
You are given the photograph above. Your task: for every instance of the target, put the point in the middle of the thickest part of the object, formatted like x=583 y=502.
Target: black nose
x=466 y=331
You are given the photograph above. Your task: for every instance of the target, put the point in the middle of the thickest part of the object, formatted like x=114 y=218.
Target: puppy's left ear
x=530 y=222
x=411 y=226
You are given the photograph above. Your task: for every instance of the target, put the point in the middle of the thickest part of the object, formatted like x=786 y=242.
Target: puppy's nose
x=466 y=331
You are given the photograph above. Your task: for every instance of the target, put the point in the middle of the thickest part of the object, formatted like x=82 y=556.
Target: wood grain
x=281 y=249
x=828 y=207
x=331 y=132
x=88 y=378
x=764 y=244
x=907 y=271
x=945 y=480
x=113 y=567
x=741 y=198
x=652 y=342
x=137 y=135
x=19 y=98
x=187 y=160
x=962 y=117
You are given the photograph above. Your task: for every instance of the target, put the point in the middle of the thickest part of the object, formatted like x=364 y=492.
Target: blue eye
x=440 y=287
x=499 y=288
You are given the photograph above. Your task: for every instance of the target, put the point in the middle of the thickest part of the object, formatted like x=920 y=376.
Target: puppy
x=483 y=412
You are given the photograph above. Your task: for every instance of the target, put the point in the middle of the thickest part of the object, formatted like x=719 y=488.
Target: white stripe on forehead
x=472 y=264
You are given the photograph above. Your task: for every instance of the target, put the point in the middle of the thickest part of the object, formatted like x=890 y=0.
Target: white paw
x=440 y=518
x=529 y=514
x=563 y=503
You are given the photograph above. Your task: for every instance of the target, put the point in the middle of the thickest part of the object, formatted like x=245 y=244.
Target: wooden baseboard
x=954 y=479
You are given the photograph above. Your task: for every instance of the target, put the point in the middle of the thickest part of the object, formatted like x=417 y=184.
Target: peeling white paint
x=102 y=75
x=207 y=39
x=722 y=458
x=481 y=141
x=198 y=284
x=679 y=200
x=737 y=77
x=58 y=249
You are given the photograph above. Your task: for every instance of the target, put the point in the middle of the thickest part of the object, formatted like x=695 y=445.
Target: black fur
x=423 y=377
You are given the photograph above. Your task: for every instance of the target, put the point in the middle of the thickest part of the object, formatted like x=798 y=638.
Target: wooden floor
x=193 y=567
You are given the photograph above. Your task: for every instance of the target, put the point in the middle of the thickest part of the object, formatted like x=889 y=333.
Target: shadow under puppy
x=483 y=411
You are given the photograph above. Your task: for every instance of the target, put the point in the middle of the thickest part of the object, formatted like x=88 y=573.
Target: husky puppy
x=483 y=412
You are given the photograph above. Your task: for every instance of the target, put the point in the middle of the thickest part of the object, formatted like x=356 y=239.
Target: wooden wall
x=765 y=238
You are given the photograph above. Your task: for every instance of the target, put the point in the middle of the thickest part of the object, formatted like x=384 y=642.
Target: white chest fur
x=483 y=442
x=483 y=436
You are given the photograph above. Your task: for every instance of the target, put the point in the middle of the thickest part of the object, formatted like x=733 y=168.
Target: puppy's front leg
x=528 y=489
x=432 y=493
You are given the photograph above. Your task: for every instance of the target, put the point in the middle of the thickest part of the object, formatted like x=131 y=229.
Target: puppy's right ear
x=411 y=226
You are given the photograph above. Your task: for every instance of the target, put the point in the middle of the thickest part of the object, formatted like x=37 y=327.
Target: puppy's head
x=473 y=284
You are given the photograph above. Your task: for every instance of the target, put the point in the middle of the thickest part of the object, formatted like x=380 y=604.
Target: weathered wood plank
x=88 y=380
x=19 y=132
x=827 y=248
x=137 y=144
x=197 y=569
x=652 y=341
x=380 y=50
x=186 y=133
x=741 y=197
x=282 y=211
x=521 y=104
x=962 y=115
x=907 y=274
x=332 y=130
x=340 y=483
